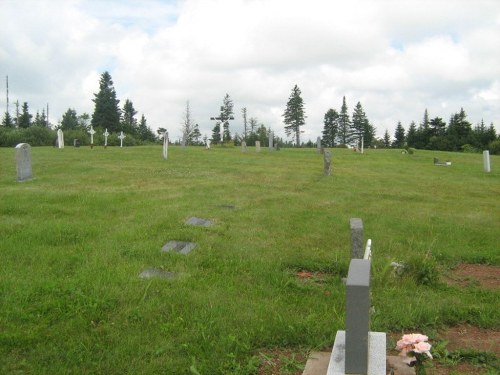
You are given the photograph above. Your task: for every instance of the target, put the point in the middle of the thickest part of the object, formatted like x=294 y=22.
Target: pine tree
x=359 y=123
x=344 y=124
x=387 y=139
x=129 y=122
x=216 y=133
x=459 y=131
x=187 y=126
x=25 y=117
x=69 y=120
x=144 y=132
x=330 y=129
x=8 y=121
x=411 y=135
x=399 y=136
x=106 y=111
x=294 y=116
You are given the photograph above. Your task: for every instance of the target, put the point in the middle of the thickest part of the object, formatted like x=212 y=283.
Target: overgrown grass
x=74 y=239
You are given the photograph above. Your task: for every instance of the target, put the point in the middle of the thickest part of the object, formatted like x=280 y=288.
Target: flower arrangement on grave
x=416 y=349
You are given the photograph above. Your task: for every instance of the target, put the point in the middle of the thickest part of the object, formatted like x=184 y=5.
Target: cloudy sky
x=396 y=57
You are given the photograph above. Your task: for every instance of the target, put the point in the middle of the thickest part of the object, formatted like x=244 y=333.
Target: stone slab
x=150 y=273
x=179 y=247
x=317 y=363
x=199 y=222
x=396 y=366
x=376 y=354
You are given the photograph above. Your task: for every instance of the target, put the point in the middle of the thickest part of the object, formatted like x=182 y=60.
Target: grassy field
x=74 y=239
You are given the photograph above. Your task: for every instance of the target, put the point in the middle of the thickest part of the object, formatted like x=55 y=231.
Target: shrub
x=494 y=147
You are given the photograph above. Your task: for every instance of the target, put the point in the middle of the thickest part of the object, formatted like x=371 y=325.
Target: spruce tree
x=344 y=124
x=399 y=136
x=294 y=116
x=69 y=120
x=106 y=111
x=25 y=117
x=330 y=129
x=359 y=124
x=8 y=121
x=129 y=122
x=387 y=139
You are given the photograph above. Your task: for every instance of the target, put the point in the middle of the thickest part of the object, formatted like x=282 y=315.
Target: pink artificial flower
x=423 y=347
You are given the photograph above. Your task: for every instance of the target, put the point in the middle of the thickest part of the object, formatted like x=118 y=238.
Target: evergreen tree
x=459 y=131
x=195 y=135
x=188 y=126
x=411 y=135
x=69 y=120
x=344 y=124
x=369 y=135
x=294 y=116
x=399 y=136
x=331 y=128
x=106 y=111
x=245 y=123
x=226 y=114
x=387 y=139
x=144 y=132
x=359 y=124
x=216 y=133
x=129 y=122
x=84 y=121
x=8 y=121
x=25 y=117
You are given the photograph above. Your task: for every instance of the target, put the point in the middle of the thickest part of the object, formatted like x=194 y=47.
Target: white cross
x=92 y=132
x=122 y=137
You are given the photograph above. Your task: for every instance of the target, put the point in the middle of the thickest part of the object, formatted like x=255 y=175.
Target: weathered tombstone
x=257 y=146
x=207 y=143
x=77 y=143
x=122 y=137
x=356 y=238
x=105 y=134
x=271 y=141
x=486 y=161
x=221 y=133
x=23 y=162
x=327 y=163
x=165 y=145
x=243 y=146
x=60 y=138
x=178 y=246
x=199 y=222
x=318 y=145
x=92 y=132
x=362 y=145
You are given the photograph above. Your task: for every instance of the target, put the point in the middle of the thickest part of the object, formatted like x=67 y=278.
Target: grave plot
x=196 y=221
x=180 y=247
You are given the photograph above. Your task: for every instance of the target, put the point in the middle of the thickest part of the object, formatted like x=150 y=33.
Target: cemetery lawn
x=267 y=275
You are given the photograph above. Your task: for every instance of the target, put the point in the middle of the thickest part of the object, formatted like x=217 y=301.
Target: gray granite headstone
x=356 y=238
x=199 y=222
x=357 y=317
x=271 y=141
x=318 y=145
x=327 y=163
x=257 y=146
x=23 y=162
x=180 y=247
x=486 y=161
x=150 y=273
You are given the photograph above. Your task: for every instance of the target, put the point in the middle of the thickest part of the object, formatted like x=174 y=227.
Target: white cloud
x=397 y=58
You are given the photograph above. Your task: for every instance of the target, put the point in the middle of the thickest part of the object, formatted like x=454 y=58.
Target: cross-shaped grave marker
x=122 y=137
x=92 y=132
x=106 y=134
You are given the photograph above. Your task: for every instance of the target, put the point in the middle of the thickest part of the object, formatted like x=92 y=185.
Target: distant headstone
x=486 y=161
x=92 y=132
x=105 y=134
x=77 y=143
x=318 y=145
x=60 y=138
x=356 y=238
x=165 y=145
x=180 y=247
x=23 y=162
x=208 y=144
x=243 y=146
x=122 y=137
x=257 y=146
x=150 y=273
x=199 y=222
x=271 y=141
x=327 y=163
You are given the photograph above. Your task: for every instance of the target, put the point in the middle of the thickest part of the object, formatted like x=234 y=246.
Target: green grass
x=74 y=239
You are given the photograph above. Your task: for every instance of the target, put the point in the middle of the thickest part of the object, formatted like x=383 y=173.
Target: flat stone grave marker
x=180 y=247
x=23 y=162
x=150 y=273
x=199 y=222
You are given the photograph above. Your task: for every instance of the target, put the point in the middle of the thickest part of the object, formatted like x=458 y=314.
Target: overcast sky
x=396 y=57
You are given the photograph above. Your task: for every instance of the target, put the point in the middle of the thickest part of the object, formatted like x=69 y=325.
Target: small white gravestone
x=486 y=161
x=23 y=162
x=221 y=133
x=92 y=132
x=243 y=146
x=106 y=134
x=122 y=137
x=60 y=138
x=257 y=146
x=271 y=141
x=208 y=144
x=165 y=145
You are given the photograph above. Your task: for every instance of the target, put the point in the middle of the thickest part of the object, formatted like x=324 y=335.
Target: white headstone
x=60 y=138
x=271 y=141
x=92 y=132
x=122 y=137
x=257 y=146
x=221 y=133
x=243 y=146
x=23 y=162
x=486 y=161
x=106 y=134
x=165 y=145
x=208 y=144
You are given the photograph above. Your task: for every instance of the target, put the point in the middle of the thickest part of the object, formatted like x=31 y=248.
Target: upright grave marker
x=257 y=146
x=243 y=146
x=122 y=137
x=208 y=144
x=60 y=138
x=92 y=132
x=327 y=163
x=356 y=238
x=318 y=145
x=105 y=134
x=165 y=145
x=271 y=141
x=23 y=162
x=486 y=161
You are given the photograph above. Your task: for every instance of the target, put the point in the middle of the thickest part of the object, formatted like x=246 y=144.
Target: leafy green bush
x=494 y=147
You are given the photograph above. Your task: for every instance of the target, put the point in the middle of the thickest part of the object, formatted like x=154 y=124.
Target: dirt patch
x=482 y=275
x=280 y=361
x=469 y=337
